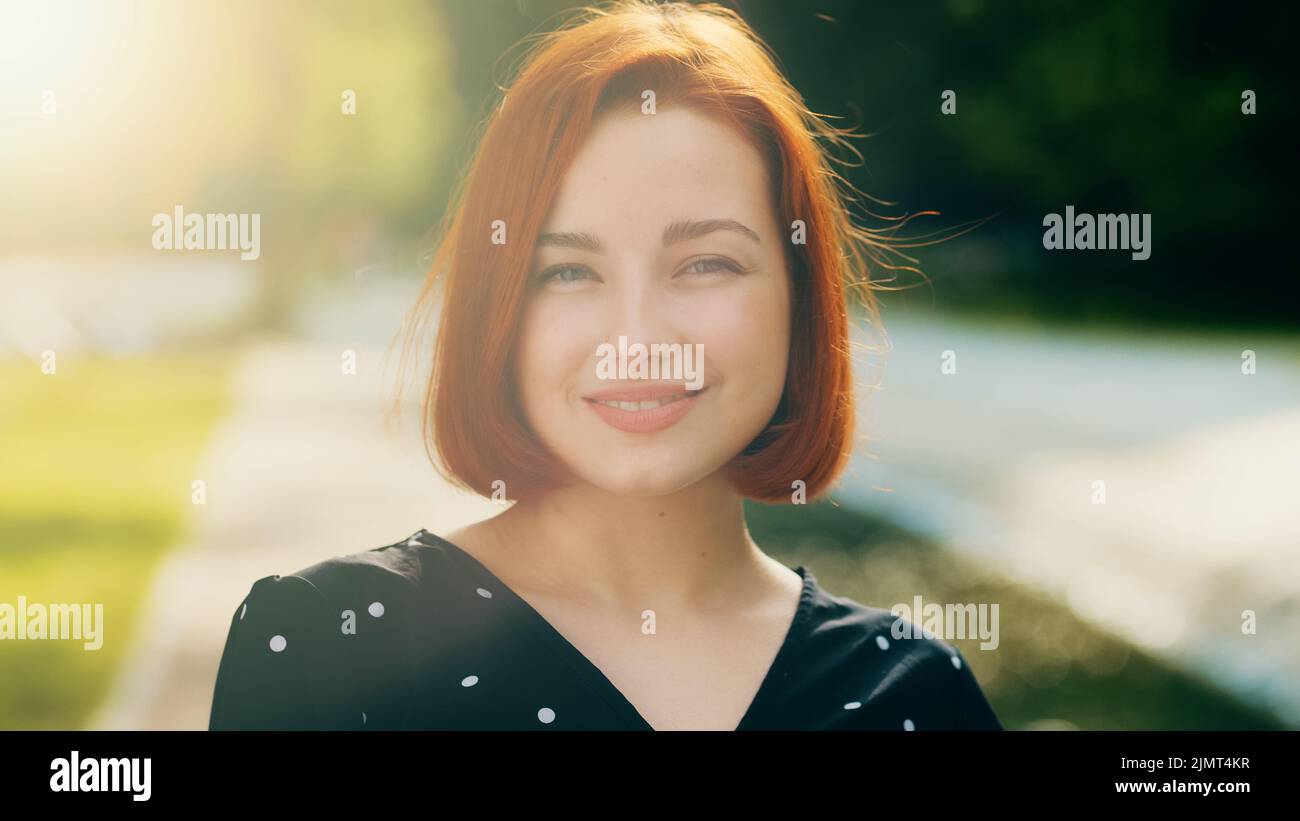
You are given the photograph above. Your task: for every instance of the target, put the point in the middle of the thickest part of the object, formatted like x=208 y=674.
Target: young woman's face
x=663 y=233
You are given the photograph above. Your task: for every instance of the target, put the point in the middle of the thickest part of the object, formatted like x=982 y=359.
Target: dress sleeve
x=282 y=666
x=970 y=707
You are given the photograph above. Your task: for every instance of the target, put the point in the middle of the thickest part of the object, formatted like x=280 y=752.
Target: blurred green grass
x=1051 y=670
x=97 y=462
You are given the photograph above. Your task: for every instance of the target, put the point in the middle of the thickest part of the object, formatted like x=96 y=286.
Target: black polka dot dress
x=420 y=635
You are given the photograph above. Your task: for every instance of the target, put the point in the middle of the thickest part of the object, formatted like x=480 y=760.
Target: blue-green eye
x=563 y=273
x=713 y=265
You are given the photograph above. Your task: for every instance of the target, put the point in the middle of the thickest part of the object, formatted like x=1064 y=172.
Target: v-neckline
x=593 y=675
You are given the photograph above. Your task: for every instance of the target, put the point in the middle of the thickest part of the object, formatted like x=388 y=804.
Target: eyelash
x=549 y=274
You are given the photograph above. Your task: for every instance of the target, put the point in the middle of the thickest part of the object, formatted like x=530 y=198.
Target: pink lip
x=643 y=421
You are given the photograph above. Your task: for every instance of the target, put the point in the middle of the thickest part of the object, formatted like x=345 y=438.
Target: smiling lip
x=643 y=408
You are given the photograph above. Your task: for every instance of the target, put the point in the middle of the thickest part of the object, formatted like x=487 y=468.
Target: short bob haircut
x=703 y=56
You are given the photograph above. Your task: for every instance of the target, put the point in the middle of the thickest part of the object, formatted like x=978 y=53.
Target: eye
x=565 y=273
x=713 y=265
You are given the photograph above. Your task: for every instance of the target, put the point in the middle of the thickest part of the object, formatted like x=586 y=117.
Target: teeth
x=648 y=404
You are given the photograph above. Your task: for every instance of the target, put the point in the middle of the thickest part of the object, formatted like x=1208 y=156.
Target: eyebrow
x=679 y=231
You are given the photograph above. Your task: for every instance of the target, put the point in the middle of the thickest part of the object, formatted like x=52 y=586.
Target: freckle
x=661 y=515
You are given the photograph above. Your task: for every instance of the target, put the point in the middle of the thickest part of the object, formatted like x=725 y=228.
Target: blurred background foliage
x=95 y=490
x=1109 y=106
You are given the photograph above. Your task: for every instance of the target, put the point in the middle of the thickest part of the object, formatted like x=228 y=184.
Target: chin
x=640 y=477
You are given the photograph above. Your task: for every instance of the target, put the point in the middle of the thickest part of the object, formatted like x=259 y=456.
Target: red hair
x=703 y=56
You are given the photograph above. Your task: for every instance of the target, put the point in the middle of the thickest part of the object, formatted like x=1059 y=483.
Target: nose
x=639 y=309
x=640 y=304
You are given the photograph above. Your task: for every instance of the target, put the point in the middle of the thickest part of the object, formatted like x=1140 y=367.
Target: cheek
x=745 y=332
x=550 y=350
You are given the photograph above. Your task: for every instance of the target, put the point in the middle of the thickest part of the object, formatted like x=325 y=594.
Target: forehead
x=638 y=172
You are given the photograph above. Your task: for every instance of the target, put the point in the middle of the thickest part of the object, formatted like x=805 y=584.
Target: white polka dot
x=956 y=662
x=853 y=705
x=376 y=608
x=487 y=594
x=469 y=681
x=244 y=610
x=278 y=643
x=908 y=725
x=546 y=715
x=882 y=642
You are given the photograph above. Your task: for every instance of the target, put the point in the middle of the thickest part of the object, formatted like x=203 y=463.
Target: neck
x=690 y=547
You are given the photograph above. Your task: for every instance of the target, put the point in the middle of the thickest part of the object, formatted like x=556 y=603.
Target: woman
x=650 y=184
